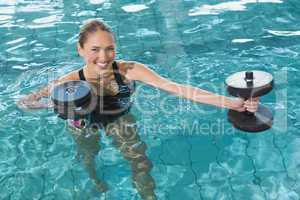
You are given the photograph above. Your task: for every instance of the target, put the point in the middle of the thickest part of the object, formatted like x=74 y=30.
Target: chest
x=105 y=87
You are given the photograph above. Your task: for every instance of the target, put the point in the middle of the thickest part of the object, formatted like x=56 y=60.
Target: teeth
x=101 y=64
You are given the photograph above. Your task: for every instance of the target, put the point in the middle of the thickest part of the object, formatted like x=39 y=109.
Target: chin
x=102 y=67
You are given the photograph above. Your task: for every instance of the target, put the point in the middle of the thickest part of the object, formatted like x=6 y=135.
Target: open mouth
x=102 y=65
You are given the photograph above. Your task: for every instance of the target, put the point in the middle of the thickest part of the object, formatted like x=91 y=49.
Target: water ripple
x=244 y=40
x=48 y=19
x=134 y=8
x=5 y=17
x=10 y=2
x=37 y=7
x=97 y=1
x=17 y=47
x=143 y=32
x=86 y=13
x=226 y=6
x=284 y=33
x=16 y=40
x=7 y=10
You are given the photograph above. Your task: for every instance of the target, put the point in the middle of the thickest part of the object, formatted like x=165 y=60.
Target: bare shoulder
x=140 y=72
x=128 y=68
x=125 y=65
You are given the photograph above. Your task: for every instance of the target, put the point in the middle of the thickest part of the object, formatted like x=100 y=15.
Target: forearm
x=202 y=96
x=142 y=73
x=43 y=92
x=34 y=99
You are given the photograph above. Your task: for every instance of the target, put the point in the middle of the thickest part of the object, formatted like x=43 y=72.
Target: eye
x=95 y=49
x=110 y=49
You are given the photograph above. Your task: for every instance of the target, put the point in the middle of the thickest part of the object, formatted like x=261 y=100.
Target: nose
x=103 y=56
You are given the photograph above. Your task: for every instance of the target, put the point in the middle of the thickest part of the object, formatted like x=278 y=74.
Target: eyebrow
x=101 y=47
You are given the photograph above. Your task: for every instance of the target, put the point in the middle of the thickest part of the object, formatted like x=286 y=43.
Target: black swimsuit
x=109 y=108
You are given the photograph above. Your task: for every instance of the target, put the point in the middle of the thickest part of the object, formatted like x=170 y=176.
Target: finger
x=248 y=104
x=243 y=109
x=251 y=107
x=22 y=103
x=251 y=103
x=251 y=110
x=254 y=99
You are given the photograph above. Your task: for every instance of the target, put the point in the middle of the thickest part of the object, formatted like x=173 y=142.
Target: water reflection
x=97 y=1
x=49 y=19
x=134 y=8
x=226 y=6
x=284 y=33
x=242 y=40
x=5 y=17
x=10 y=2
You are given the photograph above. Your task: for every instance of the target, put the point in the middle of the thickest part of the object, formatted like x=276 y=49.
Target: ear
x=80 y=50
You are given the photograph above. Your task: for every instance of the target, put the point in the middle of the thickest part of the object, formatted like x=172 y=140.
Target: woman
x=113 y=82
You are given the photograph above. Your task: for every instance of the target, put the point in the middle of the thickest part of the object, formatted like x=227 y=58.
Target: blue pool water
x=195 y=152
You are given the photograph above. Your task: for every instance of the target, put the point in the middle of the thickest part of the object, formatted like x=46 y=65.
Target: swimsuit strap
x=81 y=75
x=117 y=74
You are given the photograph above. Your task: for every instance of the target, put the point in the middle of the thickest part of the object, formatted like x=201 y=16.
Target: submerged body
x=112 y=114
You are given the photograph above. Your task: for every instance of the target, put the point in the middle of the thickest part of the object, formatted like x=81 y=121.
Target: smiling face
x=98 y=51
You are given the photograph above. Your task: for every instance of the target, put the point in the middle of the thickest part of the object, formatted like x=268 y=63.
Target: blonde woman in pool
x=113 y=80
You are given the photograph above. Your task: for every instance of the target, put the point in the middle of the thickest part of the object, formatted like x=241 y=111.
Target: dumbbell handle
x=249 y=80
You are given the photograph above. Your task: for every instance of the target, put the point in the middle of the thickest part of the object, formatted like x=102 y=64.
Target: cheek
x=113 y=55
x=90 y=57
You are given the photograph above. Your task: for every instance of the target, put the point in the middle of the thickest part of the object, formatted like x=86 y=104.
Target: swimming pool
x=195 y=152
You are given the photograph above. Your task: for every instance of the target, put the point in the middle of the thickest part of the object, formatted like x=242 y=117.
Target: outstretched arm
x=33 y=99
x=140 y=72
